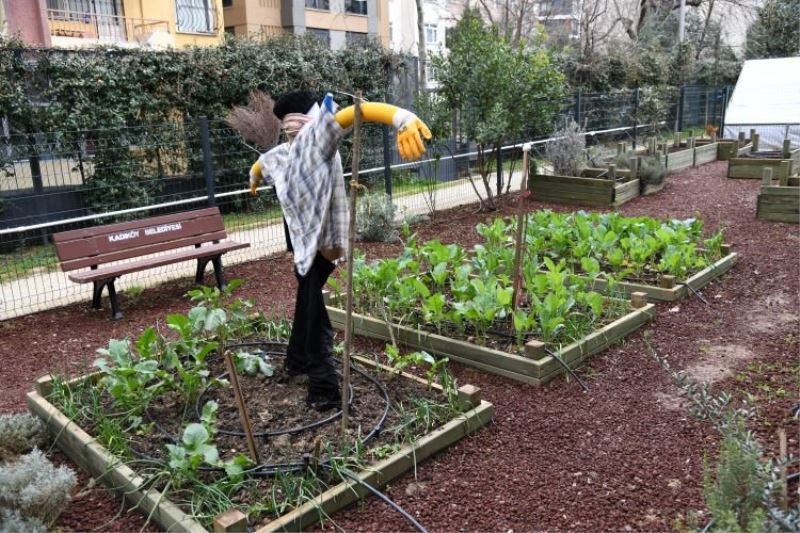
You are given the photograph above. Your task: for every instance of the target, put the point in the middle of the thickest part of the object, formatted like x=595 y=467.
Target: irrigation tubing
x=555 y=356
x=694 y=291
x=383 y=497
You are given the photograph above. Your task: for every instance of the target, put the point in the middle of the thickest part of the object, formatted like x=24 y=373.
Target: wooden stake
x=520 y=236
x=243 y=416
x=784 y=451
x=351 y=236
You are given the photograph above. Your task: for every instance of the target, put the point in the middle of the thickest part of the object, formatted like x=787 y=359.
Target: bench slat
x=85 y=233
x=98 y=247
x=83 y=262
x=126 y=268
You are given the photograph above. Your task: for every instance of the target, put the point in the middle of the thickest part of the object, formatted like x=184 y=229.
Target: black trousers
x=311 y=343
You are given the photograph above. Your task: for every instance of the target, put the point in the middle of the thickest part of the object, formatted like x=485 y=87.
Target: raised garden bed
x=750 y=165
x=779 y=201
x=160 y=422
x=731 y=148
x=535 y=367
x=85 y=450
x=592 y=188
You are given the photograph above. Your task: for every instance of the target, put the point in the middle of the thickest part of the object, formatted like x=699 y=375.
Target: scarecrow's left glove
x=255 y=178
x=410 y=129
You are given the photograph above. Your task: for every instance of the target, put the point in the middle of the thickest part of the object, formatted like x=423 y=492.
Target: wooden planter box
x=670 y=288
x=679 y=160
x=536 y=368
x=585 y=190
x=779 y=203
x=731 y=148
x=753 y=168
x=106 y=467
x=705 y=153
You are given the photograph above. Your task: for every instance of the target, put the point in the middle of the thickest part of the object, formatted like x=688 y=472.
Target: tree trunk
x=483 y=170
x=421 y=45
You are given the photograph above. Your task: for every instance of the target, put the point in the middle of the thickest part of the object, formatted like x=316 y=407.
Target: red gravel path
x=620 y=457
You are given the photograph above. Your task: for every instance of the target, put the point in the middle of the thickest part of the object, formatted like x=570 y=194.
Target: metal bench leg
x=217 y=262
x=116 y=314
x=97 y=294
x=202 y=262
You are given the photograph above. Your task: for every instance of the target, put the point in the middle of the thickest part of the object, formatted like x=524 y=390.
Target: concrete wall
x=28 y=19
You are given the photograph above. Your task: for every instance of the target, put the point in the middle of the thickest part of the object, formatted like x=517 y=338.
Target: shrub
x=567 y=151
x=375 y=218
x=13 y=522
x=20 y=433
x=651 y=171
x=735 y=495
x=34 y=488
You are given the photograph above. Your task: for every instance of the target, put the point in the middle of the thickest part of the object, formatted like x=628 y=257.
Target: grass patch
x=26 y=261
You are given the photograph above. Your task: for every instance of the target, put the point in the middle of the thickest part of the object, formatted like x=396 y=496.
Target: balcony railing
x=101 y=27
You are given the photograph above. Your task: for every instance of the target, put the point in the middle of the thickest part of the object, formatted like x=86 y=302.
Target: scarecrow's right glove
x=410 y=129
x=255 y=178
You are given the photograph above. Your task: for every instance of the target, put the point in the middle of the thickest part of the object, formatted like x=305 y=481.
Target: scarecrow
x=306 y=172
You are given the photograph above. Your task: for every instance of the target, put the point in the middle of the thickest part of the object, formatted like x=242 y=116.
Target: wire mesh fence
x=56 y=181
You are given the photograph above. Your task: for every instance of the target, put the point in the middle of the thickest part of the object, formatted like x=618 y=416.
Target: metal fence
x=55 y=181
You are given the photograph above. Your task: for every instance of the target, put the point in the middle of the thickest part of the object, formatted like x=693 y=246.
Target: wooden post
x=351 y=235
x=469 y=396
x=233 y=377
x=666 y=281
x=652 y=149
x=621 y=147
x=755 y=143
x=638 y=299
x=752 y=133
x=784 y=456
x=634 y=164
x=766 y=177
x=535 y=350
x=612 y=171
x=231 y=521
x=676 y=139
x=787 y=148
x=741 y=139
x=726 y=249
x=519 y=238
x=786 y=169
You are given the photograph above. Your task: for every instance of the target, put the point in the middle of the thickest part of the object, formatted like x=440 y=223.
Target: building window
x=322 y=35
x=555 y=7
x=227 y=3
x=359 y=7
x=354 y=38
x=196 y=16
x=431 y=34
x=318 y=4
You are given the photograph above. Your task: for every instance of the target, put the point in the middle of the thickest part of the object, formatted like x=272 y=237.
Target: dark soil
x=625 y=456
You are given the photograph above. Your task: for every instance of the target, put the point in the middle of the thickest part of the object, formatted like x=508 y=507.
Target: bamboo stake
x=351 y=235
x=521 y=220
x=243 y=416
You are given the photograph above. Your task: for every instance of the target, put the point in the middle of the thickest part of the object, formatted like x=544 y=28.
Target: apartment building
x=336 y=22
x=123 y=23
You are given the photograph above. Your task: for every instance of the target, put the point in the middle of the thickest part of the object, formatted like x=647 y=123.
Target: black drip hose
x=383 y=497
x=694 y=291
x=555 y=356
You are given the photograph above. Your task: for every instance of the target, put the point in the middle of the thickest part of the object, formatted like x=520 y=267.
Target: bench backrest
x=98 y=245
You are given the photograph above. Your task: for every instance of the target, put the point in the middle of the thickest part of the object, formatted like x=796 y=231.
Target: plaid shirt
x=308 y=180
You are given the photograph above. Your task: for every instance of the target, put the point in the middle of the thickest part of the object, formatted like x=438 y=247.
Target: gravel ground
x=624 y=456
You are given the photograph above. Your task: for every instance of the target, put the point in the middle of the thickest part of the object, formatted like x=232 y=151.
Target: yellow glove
x=255 y=178
x=410 y=129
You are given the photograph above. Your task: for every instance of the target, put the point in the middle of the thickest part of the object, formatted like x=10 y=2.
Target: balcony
x=75 y=28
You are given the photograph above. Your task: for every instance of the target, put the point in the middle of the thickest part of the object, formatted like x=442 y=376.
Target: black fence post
x=208 y=164
x=681 y=100
x=577 y=105
x=635 y=116
x=725 y=96
x=499 y=163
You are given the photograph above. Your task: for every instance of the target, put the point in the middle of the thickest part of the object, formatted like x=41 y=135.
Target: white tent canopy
x=767 y=98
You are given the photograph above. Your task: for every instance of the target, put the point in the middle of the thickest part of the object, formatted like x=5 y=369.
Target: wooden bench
x=187 y=236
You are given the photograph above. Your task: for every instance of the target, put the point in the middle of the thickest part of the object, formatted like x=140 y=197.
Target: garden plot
x=158 y=424
x=441 y=299
x=779 y=201
x=751 y=165
x=594 y=187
